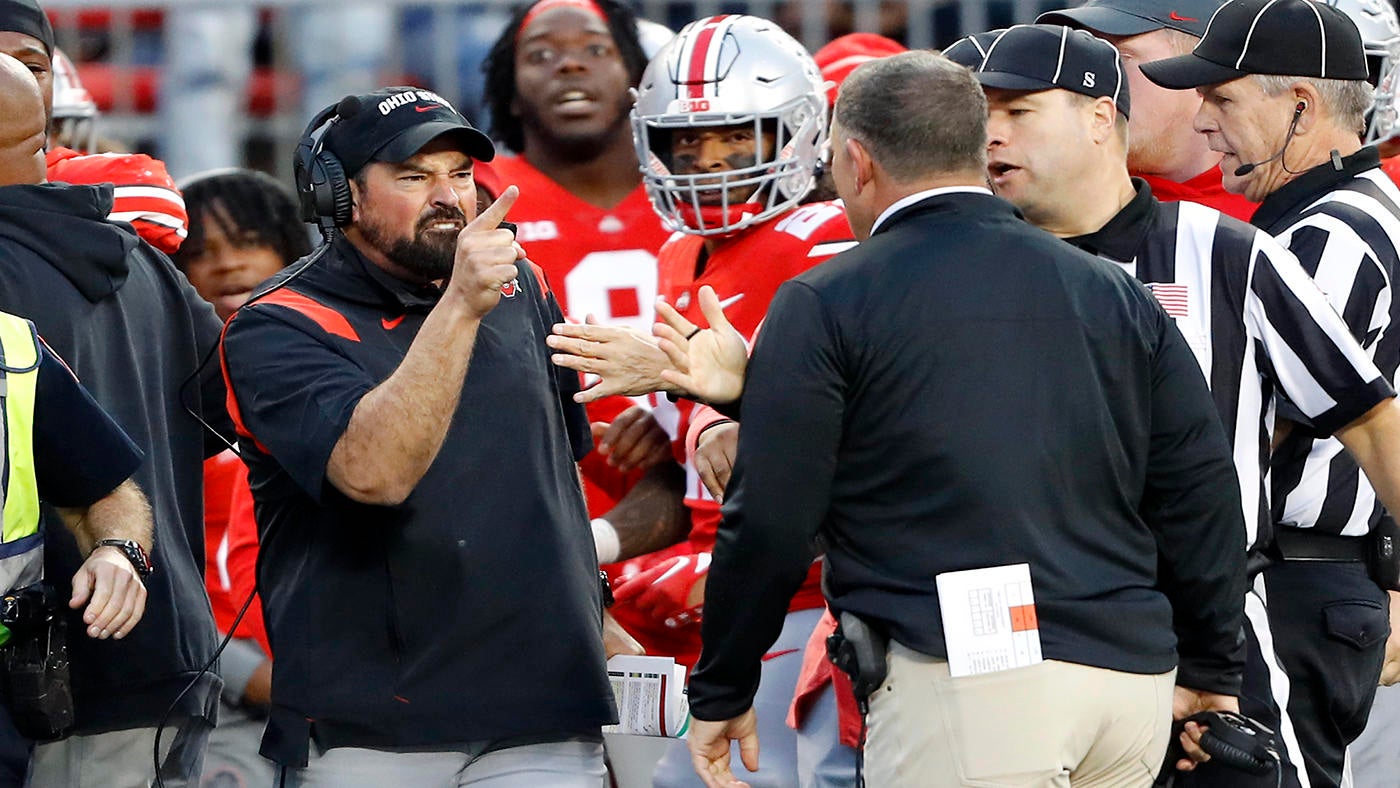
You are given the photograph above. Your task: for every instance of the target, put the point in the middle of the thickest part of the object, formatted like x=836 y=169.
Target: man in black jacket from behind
x=135 y=332
x=962 y=392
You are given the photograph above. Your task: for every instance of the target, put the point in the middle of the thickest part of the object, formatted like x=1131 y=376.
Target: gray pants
x=232 y=760
x=564 y=764
x=822 y=760
x=122 y=759
x=1375 y=756
x=777 y=767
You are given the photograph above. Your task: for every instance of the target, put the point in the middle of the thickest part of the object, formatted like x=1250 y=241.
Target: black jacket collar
x=1301 y=191
x=971 y=202
x=1122 y=236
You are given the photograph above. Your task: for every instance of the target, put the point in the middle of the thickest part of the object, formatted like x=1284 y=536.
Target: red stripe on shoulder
x=539 y=277
x=233 y=410
x=332 y=321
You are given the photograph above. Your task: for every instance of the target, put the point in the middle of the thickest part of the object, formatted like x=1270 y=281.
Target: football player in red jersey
x=144 y=194
x=558 y=82
x=730 y=123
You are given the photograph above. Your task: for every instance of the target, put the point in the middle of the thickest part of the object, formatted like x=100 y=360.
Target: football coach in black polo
x=965 y=392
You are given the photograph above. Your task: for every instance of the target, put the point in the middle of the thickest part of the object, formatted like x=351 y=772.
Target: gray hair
x=918 y=113
x=1347 y=100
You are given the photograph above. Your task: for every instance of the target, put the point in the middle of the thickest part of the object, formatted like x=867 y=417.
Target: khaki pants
x=1053 y=724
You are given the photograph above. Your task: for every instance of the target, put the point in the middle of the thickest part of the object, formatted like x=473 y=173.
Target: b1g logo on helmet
x=410 y=97
x=695 y=105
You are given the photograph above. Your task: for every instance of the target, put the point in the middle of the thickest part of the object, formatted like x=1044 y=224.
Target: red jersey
x=145 y=195
x=598 y=262
x=745 y=270
x=1391 y=167
x=1204 y=189
x=230 y=546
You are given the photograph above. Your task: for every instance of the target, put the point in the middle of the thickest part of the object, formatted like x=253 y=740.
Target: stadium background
x=120 y=48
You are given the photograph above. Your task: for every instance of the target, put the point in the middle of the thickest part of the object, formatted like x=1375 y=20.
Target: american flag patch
x=1172 y=296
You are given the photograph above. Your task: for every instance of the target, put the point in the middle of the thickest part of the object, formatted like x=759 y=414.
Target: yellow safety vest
x=21 y=545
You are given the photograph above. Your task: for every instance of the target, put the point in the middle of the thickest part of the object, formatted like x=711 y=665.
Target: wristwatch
x=134 y=553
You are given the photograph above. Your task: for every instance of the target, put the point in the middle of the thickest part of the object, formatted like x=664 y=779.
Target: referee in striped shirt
x=1285 y=94
x=1257 y=324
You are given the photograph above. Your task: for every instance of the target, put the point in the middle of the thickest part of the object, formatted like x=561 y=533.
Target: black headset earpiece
x=1298 y=110
x=322 y=188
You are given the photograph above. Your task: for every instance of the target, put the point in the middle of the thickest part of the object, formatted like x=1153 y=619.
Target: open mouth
x=574 y=101
x=999 y=170
x=453 y=226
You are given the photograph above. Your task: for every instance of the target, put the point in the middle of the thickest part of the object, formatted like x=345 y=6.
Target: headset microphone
x=1245 y=169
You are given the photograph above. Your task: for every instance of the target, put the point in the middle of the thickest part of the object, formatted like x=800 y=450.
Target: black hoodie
x=135 y=332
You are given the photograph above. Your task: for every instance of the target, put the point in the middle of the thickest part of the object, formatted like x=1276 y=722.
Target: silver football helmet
x=725 y=71
x=1380 y=33
x=74 y=122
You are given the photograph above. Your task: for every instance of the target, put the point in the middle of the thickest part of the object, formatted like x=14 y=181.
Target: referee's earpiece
x=1298 y=110
x=322 y=188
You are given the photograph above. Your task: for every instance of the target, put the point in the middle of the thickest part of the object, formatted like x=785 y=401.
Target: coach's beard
x=429 y=254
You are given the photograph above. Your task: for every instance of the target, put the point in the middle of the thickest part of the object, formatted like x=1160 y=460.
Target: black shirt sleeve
x=1191 y=501
x=80 y=454
x=794 y=405
x=295 y=394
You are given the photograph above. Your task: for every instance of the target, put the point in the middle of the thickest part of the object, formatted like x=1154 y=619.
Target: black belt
x=1298 y=544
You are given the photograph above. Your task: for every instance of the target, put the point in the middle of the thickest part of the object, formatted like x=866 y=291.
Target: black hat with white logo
x=1135 y=17
x=392 y=124
x=1296 y=38
x=1045 y=57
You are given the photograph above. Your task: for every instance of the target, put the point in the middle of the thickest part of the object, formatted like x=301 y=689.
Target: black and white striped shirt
x=1344 y=227
x=1255 y=321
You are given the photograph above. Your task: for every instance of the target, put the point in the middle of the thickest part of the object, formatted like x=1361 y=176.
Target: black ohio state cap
x=392 y=124
x=1044 y=57
x=1296 y=38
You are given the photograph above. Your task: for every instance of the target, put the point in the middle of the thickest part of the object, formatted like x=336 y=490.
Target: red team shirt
x=1205 y=189
x=144 y=196
x=745 y=270
x=598 y=262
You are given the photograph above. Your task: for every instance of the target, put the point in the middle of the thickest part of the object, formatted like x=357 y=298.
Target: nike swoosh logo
x=432 y=107
x=775 y=654
x=390 y=325
x=1175 y=17
x=730 y=300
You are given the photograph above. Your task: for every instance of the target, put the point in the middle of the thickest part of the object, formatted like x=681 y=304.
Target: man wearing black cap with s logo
x=1285 y=94
x=428 y=575
x=1165 y=151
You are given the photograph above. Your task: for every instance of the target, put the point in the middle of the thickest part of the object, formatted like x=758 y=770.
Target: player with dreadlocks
x=558 y=85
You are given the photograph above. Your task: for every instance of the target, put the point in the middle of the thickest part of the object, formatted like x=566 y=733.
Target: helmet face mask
x=723 y=72
x=1380 y=34
x=74 y=122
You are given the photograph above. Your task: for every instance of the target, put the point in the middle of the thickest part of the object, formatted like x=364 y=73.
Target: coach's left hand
x=709 y=748
x=113 y=592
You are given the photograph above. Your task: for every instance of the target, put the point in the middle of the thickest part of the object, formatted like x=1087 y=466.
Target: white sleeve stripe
x=150 y=192
x=164 y=220
x=830 y=248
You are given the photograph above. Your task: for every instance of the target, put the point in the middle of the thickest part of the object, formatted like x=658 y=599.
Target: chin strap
x=713 y=216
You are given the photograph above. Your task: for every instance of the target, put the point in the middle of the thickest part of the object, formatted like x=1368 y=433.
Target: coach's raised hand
x=486 y=257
